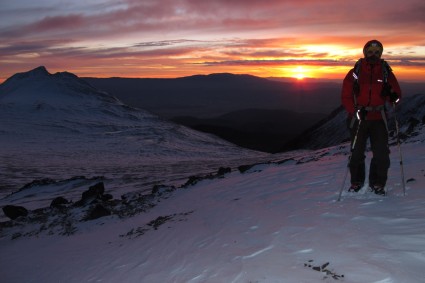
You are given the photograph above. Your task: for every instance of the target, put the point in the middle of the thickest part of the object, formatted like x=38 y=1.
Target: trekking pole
x=399 y=150
x=349 y=160
x=345 y=177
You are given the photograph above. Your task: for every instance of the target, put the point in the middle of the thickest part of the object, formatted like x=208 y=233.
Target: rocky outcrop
x=62 y=216
x=14 y=211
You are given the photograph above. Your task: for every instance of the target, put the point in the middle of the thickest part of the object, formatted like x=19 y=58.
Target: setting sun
x=299 y=73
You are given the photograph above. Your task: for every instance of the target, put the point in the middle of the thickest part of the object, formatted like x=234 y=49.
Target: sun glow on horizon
x=299 y=77
x=300 y=72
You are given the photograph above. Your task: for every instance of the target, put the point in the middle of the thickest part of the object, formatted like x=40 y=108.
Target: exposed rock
x=59 y=202
x=244 y=168
x=323 y=268
x=97 y=212
x=159 y=190
x=94 y=192
x=106 y=197
x=192 y=181
x=224 y=170
x=13 y=211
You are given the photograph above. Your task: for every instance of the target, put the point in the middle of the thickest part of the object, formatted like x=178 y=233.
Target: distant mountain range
x=207 y=96
x=257 y=113
x=249 y=111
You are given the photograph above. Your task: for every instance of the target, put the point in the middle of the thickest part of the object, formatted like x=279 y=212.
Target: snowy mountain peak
x=39 y=71
x=38 y=86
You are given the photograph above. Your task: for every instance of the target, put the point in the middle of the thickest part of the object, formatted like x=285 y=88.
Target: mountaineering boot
x=355 y=188
x=378 y=189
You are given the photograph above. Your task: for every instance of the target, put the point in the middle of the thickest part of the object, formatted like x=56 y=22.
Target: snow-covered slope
x=58 y=126
x=277 y=222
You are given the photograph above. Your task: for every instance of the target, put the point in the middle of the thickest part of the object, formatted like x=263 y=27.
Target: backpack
x=386 y=69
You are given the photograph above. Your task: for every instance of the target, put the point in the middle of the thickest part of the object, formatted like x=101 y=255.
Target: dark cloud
x=111 y=20
x=165 y=43
x=19 y=47
x=58 y=23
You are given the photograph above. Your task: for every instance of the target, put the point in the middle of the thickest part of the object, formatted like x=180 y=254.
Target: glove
x=394 y=98
x=361 y=114
x=387 y=91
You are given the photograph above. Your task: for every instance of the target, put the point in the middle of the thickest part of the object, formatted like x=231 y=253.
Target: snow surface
x=277 y=222
x=266 y=225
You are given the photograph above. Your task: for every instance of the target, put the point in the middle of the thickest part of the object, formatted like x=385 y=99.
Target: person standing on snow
x=366 y=88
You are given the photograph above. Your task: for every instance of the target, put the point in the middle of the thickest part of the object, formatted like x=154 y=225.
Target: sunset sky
x=175 y=38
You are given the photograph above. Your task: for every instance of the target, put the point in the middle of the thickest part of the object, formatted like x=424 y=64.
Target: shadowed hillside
x=264 y=130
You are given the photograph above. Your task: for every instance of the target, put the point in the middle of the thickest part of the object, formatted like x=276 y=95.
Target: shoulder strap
x=356 y=71
x=386 y=69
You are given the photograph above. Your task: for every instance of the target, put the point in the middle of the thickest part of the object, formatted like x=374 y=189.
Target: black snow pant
x=376 y=131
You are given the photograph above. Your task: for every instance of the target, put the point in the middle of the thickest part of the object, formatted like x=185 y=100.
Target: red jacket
x=371 y=82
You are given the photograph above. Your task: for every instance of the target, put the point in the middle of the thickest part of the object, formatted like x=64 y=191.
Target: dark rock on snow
x=13 y=211
x=59 y=202
x=97 y=212
x=94 y=192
